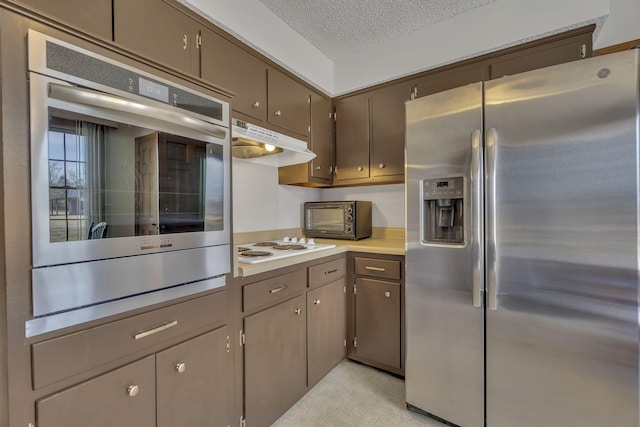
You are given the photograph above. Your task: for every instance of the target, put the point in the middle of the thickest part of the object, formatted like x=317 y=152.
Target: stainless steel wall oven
x=130 y=187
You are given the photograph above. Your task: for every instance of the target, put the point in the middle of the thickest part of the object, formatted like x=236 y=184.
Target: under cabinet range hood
x=260 y=145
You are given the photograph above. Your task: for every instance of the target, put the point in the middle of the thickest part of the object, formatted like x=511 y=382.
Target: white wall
x=623 y=23
x=259 y=203
x=387 y=200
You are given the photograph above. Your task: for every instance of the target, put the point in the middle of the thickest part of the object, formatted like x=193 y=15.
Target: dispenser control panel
x=443 y=188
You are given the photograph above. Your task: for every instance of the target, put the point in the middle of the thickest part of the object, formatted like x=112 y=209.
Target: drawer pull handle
x=379 y=269
x=133 y=390
x=297 y=311
x=331 y=271
x=155 y=330
x=316 y=301
x=387 y=294
x=181 y=367
x=273 y=291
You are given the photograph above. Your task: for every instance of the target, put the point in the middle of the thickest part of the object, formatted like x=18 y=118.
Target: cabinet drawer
x=109 y=399
x=273 y=290
x=327 y=272
x=72 y=354
x=383 y=268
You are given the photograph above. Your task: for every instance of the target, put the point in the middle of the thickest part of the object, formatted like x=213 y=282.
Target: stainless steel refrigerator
x=522 y=214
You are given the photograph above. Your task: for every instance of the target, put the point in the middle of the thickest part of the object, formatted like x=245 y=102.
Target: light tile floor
x=355 y=395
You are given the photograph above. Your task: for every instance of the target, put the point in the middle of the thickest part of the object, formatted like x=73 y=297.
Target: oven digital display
x=153 y=90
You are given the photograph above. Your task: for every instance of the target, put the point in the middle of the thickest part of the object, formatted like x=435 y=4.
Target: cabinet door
x=192 y=382
x=352 y=138
x=91 y=16
x=122 y=398
x=288 y=103
x=321 y=137
x=387 y=130
x=326 y=329
x=229 y=66
x=377 y=328
x=552 y=53
x=449 y=79
x=275 y=363
x=158 y=31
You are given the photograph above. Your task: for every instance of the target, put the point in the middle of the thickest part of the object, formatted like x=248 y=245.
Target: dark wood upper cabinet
x=321 y=138
x=227 y=65
x=93 y=16
x=387 y=131
x=352 y=138
x=449 y=79
x=288 y=103
x=158 y=31
x=544 y=55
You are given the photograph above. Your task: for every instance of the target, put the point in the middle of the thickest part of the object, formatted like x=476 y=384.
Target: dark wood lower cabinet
x=275 y=363
x=124 y=397
x=184 y=385
x=326 y=329
x=189 y=386
x=377 y=312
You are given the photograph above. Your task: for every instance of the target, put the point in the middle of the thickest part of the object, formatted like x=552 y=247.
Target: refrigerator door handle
x=492 y=268
x=477 y=216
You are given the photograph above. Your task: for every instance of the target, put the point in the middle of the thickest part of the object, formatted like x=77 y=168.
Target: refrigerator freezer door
x=562 y=245
x=445 y=339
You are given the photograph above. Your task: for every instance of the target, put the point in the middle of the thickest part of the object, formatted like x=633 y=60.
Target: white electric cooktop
x=253 y=253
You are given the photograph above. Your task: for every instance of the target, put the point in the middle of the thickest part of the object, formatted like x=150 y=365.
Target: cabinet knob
x=316 y=301
x=277 y=113
x=181 y=367
x=256 y=104
x=381 y=165
x=387 y=294
x=317 y=168
x=360 y=168
x=185 y=42
x=297 y=311
x=133 y=390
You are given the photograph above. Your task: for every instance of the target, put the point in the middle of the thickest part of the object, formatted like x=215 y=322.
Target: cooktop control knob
x=311 y=242
x=294 y=240
x=286 y=239
x=302 y=240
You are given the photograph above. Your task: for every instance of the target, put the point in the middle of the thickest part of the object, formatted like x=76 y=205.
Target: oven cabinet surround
x=170 y=376
x=93 y=16
x=375 y=310
x=292 y=333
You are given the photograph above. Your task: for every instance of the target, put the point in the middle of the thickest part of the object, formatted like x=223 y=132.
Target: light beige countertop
x=383 y=241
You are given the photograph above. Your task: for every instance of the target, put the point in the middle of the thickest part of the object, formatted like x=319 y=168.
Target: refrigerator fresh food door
x=445 y=336
x=562 y=245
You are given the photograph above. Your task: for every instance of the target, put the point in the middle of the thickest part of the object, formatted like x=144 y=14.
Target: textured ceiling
x=340 y=27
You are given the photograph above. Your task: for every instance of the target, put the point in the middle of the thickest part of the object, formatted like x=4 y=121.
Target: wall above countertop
x=259 y=203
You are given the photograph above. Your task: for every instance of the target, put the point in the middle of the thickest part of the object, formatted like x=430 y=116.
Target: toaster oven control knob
x=349 y=228
x=349 y=217
x=349 y=210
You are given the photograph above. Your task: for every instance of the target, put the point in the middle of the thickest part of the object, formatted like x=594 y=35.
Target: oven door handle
x=116 y=104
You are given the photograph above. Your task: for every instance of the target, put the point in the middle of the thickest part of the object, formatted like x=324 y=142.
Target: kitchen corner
x=383 y=240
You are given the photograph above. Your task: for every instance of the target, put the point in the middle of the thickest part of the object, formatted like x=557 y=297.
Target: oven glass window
x=330 y=219
x=111 y=180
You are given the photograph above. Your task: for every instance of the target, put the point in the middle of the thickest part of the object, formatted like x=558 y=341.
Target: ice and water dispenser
x=443 y=213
